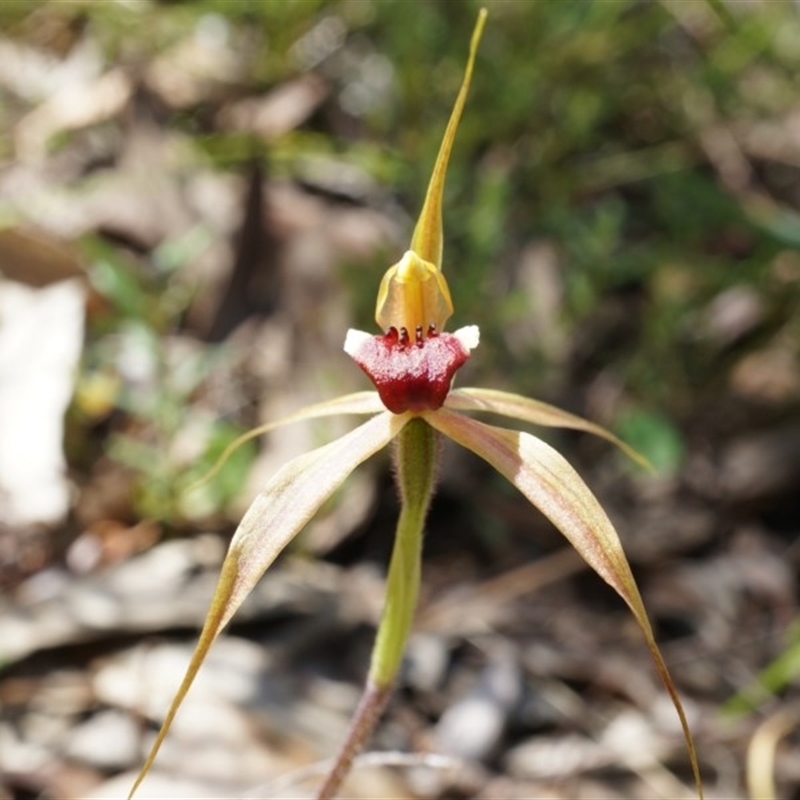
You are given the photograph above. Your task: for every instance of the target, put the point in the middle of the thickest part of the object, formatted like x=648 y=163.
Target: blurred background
x=197 y=199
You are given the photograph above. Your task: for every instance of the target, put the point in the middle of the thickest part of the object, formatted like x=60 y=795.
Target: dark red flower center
x=411 y=374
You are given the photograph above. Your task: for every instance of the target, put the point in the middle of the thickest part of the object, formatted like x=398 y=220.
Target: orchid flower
x=412 y=364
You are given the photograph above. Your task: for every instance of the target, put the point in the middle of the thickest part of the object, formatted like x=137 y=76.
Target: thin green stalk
x=415 y=473
x=415 y=465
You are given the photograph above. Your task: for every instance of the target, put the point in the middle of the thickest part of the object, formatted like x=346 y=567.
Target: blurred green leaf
x=654 y=436
x=775 y=677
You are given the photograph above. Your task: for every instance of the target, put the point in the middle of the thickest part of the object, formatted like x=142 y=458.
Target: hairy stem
x=415 y=472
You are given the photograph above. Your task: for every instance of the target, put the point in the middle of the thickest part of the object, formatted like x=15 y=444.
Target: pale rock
x=107 y=740
x=41 y=335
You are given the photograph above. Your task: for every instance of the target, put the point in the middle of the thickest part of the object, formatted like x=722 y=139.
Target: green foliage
x=773 y=679
x=134 y=365
x=654 y=436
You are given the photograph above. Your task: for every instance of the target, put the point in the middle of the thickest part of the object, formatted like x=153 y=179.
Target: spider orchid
x=412 y=365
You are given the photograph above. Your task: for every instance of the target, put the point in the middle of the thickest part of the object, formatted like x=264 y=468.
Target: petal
x=545 y=477
x=289 y=500
x=552 y=485
x=413 y=293
x=536 y=412
x=355 y=403
x=427 y=241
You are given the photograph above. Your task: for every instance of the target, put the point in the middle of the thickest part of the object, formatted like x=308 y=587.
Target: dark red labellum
x=411 y=375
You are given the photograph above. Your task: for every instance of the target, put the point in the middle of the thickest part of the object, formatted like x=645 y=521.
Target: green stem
x=415 y=465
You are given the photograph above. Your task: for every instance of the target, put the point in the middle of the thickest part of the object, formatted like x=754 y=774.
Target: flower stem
x=415 y=465
x=370 y=707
